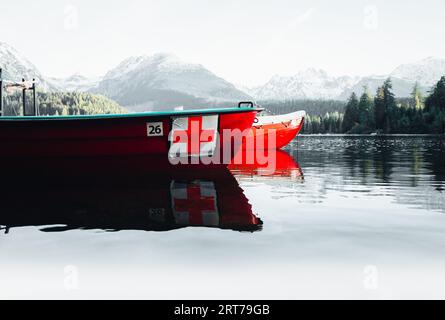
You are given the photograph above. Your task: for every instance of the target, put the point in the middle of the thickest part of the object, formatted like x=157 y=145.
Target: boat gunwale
x=153 y=114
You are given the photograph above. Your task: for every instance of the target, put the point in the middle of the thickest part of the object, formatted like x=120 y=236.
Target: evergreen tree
x=390 y=105
x=417 y=97
x=385 y=107
x=379 y=109
x=307 y=127
x=366 y=112
x=63 y=103
x=435 y=108
x=437 y=96
x=351 y=116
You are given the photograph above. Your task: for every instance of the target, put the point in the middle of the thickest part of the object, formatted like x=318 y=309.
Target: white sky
x=245 y=42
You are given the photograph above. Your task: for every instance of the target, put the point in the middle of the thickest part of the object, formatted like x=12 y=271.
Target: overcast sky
x=245 y=42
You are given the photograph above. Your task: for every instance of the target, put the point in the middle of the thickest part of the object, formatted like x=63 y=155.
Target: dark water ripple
x=409 y=168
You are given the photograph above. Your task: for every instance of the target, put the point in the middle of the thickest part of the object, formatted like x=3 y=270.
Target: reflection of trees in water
x=383 y=157
x=415 y=166
x=410 y=168
x=436 y=160
x=358 y=155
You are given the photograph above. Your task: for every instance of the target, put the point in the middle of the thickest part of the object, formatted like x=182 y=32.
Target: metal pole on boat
x=36 y=111
x=1 y=93
x=24 y=97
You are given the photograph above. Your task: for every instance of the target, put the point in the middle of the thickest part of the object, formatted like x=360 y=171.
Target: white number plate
x=155 y=129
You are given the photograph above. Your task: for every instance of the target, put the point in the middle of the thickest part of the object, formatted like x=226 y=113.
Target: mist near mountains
x=163 y=81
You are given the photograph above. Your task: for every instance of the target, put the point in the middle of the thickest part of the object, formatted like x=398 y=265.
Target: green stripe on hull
x=132 y=115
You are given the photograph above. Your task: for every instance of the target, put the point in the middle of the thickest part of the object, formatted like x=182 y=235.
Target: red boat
x=118 y=134
x=285 y=126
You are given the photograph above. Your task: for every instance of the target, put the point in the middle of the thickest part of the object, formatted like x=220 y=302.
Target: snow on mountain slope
x=400 y=87
x=307 y=84
x=75 y=82
x=15 y=67
x=163 y=80
x=426 y=72
x=317 y=84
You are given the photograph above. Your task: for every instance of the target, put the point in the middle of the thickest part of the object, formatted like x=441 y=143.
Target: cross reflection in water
x=138 y=193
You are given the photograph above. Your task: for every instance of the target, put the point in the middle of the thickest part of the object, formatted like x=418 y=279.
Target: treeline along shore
x=61 y=103
x=380 y=112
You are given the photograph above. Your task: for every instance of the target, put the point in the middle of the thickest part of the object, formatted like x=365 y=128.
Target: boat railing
x=246 y=103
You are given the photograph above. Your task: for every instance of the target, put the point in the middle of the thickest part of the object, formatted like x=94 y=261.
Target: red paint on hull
x=117 y=136
x=285 y=132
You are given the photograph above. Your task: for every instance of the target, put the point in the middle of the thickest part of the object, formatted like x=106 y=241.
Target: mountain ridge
x=314 y=83
x=163 y=80
x=75 y=82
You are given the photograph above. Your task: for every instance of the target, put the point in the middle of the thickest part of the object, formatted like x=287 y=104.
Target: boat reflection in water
x=284 y=166
x=142 y=193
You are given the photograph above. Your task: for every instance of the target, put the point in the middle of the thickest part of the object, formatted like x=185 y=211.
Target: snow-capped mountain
x=400 y=87
x=317 y=84
x=76 y=82
x=307 y=84
x=15 y=67
x=426 y=72
x=163 y=80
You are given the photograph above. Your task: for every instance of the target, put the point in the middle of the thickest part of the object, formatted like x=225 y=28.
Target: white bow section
x=295 y=117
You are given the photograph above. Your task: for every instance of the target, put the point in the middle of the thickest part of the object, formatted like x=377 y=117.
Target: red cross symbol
x=195 y=135
x=195 y=204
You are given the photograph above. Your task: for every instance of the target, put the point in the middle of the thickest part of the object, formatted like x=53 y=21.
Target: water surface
x=341 y=217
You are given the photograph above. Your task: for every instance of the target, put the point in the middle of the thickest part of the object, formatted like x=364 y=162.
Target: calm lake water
x=341 y=217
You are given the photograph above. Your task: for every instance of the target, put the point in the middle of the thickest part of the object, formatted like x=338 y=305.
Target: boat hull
x=282 y=129
x=119 y=135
